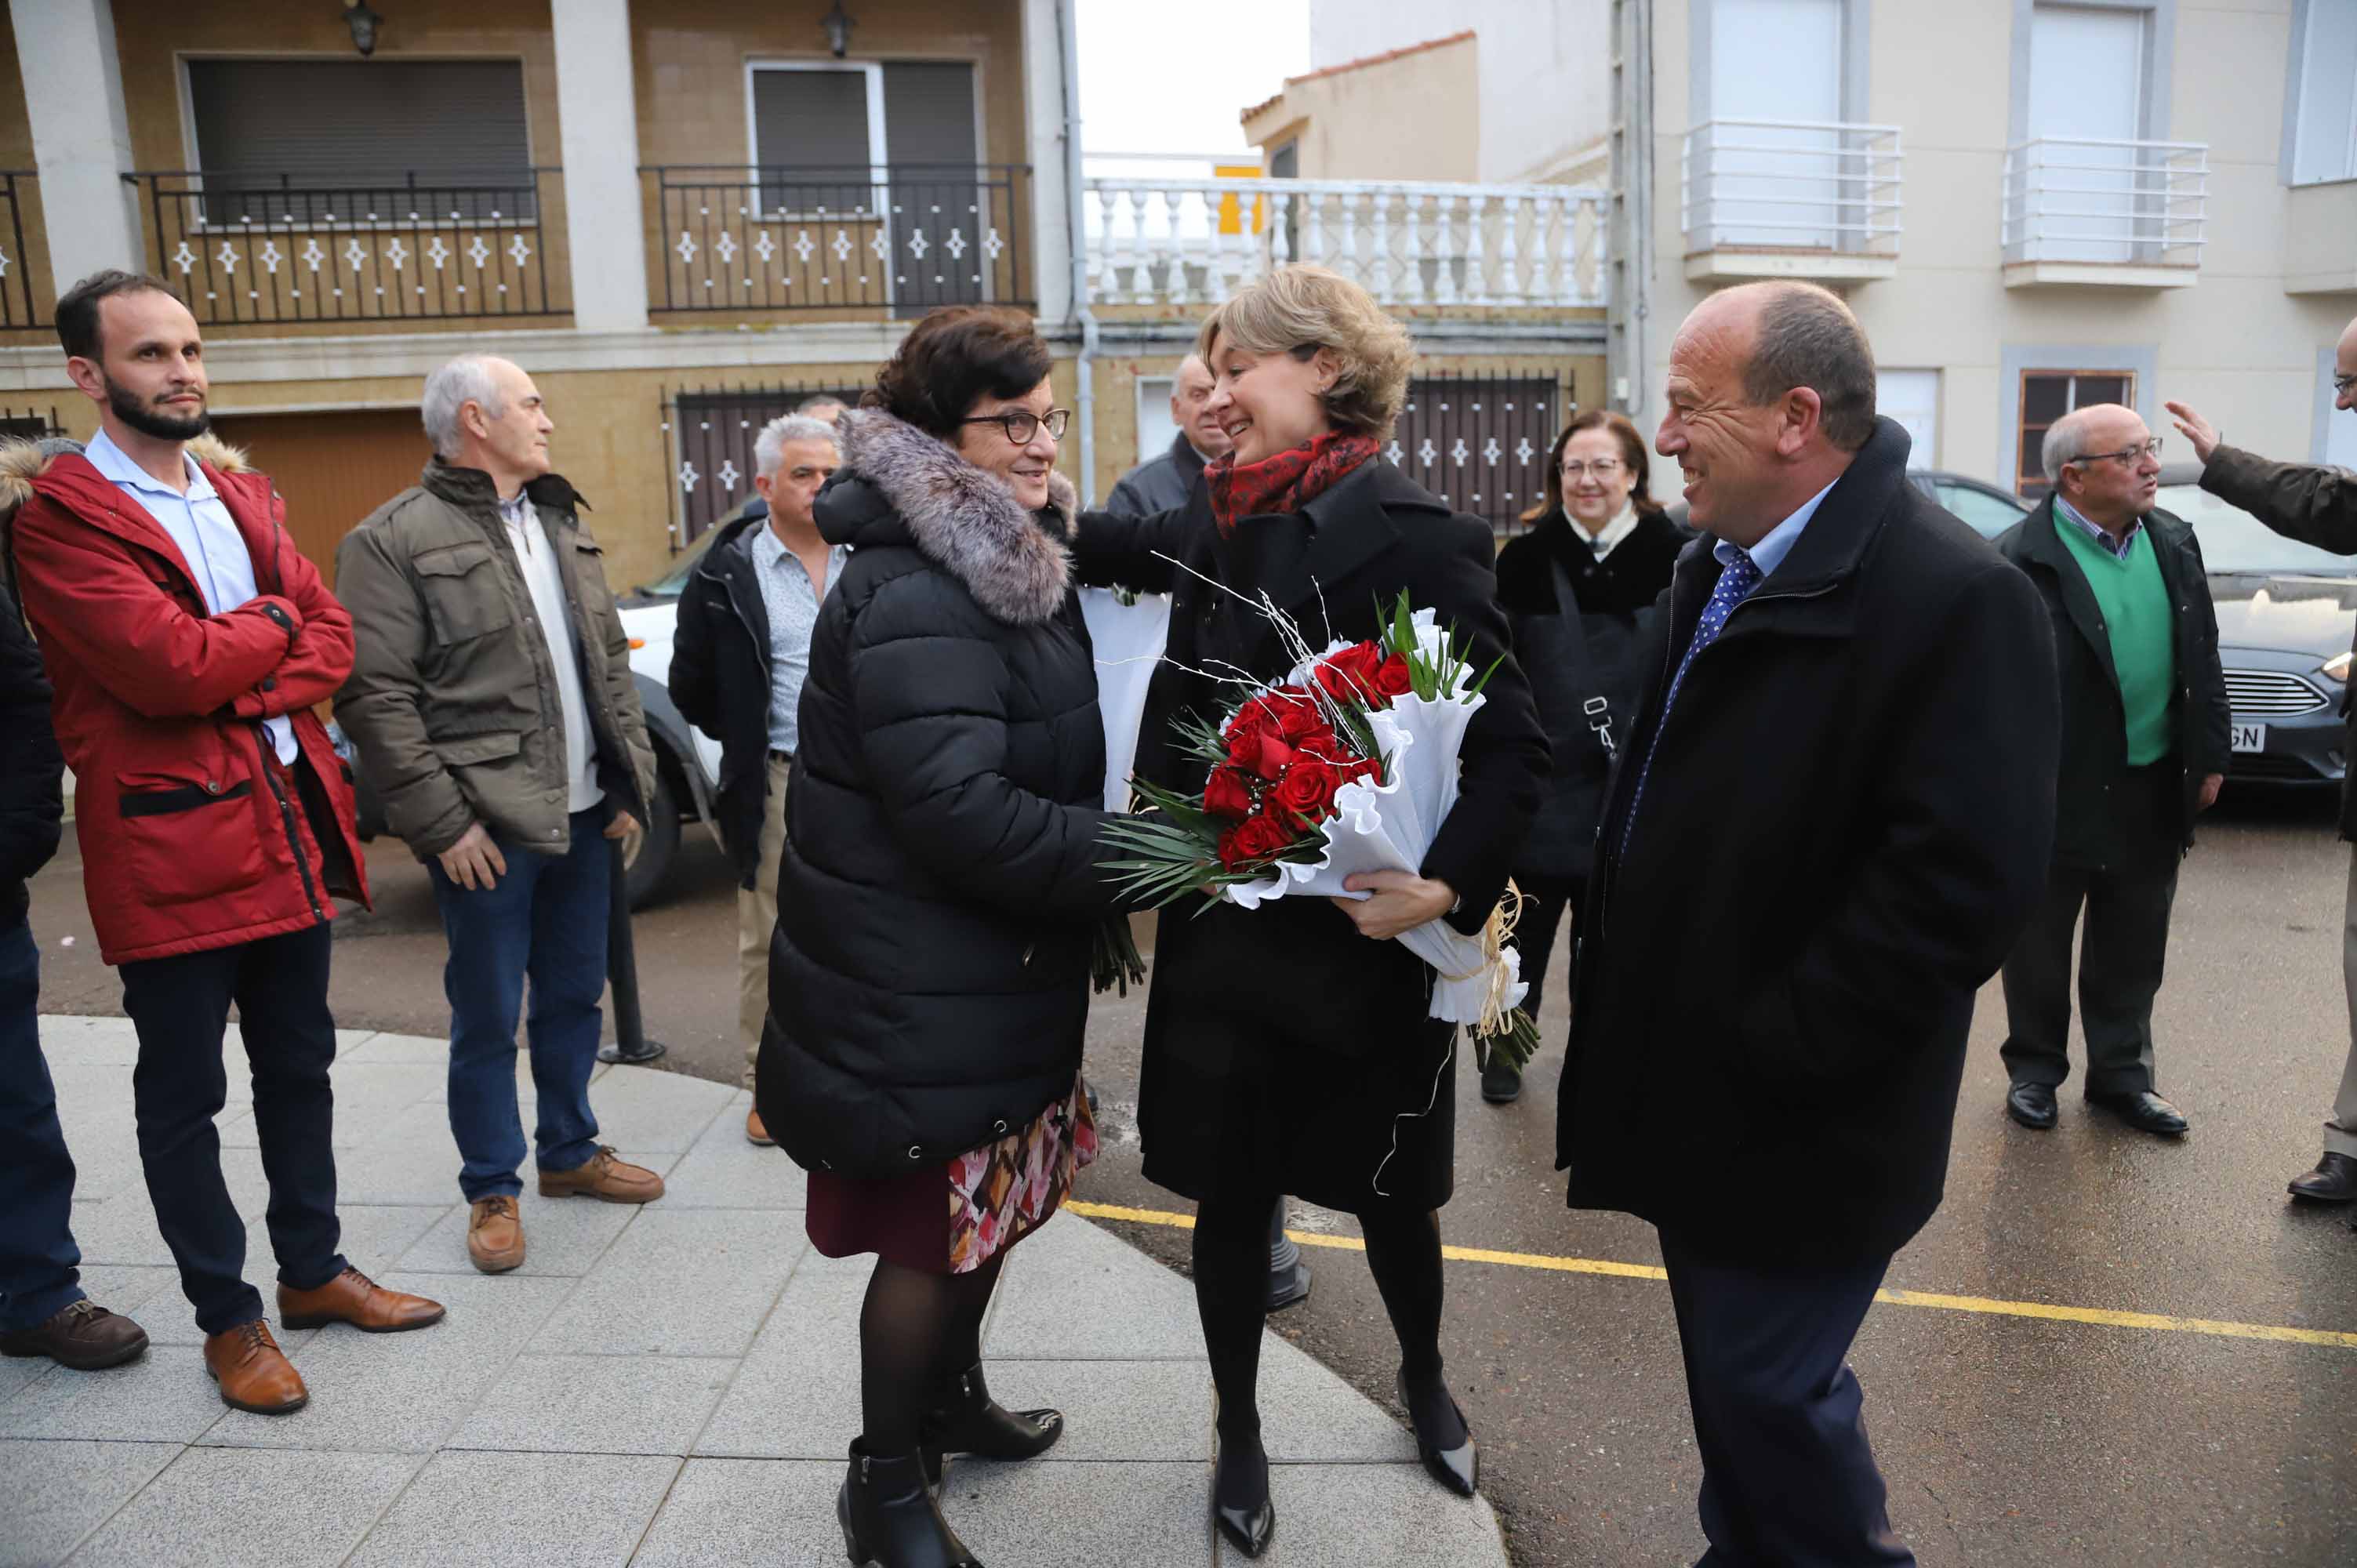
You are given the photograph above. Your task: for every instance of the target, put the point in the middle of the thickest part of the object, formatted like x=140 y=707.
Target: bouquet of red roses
x=1349 y=765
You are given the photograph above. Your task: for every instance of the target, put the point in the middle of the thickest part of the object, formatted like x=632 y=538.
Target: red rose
x=1297 y=714
x=1227 y=794
x=1255 y=839
x=1259 y=753
x=1359 y=767
x=1392 y=677
x=1308 y=788
x=1349 y=674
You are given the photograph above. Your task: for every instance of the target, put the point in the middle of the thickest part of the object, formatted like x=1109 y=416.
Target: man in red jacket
x=187 y=641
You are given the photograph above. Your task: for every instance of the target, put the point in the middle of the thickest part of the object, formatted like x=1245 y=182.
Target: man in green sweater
x=2144 y=737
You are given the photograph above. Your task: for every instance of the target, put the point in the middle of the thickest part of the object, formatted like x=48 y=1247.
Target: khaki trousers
x=757 y=916
x=2341 y=1131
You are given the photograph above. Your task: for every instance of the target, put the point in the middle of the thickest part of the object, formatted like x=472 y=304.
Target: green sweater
x=2142 y=624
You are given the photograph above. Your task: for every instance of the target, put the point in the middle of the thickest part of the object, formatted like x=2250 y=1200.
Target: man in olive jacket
x=492 y=704
x=2316 y=505
x=2144 y=728
x=1831 y=818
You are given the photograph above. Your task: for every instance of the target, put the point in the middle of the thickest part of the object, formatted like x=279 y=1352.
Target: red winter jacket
x=189 y=841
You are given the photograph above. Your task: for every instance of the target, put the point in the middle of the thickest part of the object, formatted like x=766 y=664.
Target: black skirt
x=1235 y=1099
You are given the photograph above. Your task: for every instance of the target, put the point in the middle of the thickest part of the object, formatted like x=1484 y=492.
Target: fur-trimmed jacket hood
x=900 y=484
x=22 y=462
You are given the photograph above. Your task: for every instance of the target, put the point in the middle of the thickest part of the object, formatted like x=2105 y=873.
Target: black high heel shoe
x=889 y=1519
x=966 y=1420
x=1249 y=1529
x=1458 y=1468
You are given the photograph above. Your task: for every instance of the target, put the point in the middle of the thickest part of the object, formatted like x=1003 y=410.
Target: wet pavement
x=2007 y=1439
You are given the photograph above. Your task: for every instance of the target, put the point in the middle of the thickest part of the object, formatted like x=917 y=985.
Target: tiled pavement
x=674 y=1385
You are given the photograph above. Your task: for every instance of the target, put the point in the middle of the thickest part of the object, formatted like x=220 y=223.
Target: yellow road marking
x=2102 y=1317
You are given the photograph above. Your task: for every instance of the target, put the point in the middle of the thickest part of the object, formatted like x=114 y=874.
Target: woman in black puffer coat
x=1578 y=588
x=928 y=977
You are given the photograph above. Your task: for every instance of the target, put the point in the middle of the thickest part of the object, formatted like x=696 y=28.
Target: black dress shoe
x=889 y=1519
x=966 y=1420
x=2031 y=1104
x=2144 y=1111
x=2334 y=1180
x=1458 y=1468
x=1502 y=1082
x=1249 y=1526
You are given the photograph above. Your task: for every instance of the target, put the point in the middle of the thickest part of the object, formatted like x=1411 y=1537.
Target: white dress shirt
x=201 y=526
x=543 y=581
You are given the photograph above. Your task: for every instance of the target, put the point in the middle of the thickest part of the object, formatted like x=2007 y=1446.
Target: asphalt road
x=2007 y=1439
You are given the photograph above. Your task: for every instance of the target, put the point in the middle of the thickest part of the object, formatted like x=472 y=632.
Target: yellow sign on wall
x=1231 y=203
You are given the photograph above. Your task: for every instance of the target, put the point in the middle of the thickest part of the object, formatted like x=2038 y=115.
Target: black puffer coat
x=928 y=977
x=1615 y=599
x=31 y=773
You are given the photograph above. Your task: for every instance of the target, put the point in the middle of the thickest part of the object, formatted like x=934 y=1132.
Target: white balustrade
x=2122 y=203
x=1187 y=243
x=1791 y=185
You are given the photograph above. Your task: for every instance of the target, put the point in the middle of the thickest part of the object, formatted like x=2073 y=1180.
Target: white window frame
x=190 y=160
x=874 y=72
x=2303 y=23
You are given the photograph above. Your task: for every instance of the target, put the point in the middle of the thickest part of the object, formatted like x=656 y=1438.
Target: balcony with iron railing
x=1794 y=198
x=267 y=253
x=889 y=241
x=1162 y=248
x=2127 y=214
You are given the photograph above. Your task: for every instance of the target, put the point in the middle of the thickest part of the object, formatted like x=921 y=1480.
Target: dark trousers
x=2120 y=960
x=545 y=921
x=39 y=1263
x=1544 y=899
x=180 y=1009
x=1788 y=1478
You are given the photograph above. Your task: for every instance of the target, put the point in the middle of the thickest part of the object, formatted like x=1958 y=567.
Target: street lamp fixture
x=363 y=22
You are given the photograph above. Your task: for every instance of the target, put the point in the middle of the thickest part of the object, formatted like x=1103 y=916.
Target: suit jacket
x=1334 y=567
x=1845 y=821
x=1160 y=483
x=2095 y=768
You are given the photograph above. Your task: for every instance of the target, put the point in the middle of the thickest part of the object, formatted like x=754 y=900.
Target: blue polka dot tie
x=1738 y=577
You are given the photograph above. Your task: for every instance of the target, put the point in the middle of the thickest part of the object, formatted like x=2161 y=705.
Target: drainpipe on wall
x=1632 y=181
x=1076 y=223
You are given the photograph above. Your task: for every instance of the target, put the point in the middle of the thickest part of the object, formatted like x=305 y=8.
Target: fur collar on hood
x=22 y=462
x=966 y=520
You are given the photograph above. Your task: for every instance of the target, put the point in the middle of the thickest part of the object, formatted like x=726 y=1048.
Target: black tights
x=1232 y=1294
x=916 y=1331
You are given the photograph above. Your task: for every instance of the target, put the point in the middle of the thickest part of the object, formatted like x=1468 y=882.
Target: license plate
x=2249 y=738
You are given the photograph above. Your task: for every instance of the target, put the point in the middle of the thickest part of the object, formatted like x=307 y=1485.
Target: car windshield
x=673 y=583
x=2232 y=541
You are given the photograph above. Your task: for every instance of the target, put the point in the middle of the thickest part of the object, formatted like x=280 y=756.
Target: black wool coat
x=32 y=802
x=1616 y=602
x=1846 y=823
x=929 y=977
x=1294 y=977
x=720 y=682
x=2094 y=779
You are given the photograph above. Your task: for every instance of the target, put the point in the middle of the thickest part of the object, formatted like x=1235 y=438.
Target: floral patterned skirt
x=953 y=1218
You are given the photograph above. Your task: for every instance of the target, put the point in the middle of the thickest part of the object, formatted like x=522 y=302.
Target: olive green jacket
x=453 y=701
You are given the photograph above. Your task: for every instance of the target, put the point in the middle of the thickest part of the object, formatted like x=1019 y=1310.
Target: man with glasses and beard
x=187 y=641
x=2144 y=731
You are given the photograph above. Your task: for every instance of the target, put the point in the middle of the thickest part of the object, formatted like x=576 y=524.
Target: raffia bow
x=1496 y=932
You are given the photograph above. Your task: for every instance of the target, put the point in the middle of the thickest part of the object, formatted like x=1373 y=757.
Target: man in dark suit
x=1831 y=817
x=2145 y=727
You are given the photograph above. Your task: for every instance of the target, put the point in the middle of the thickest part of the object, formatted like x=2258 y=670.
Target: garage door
x=333 y=468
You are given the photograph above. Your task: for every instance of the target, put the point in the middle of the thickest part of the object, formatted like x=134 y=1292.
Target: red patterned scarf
x=1286 y=482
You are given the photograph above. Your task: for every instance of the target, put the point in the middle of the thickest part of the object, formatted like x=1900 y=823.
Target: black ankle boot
x=966 y=1420
x=1241 y=1505
x=889 y=1519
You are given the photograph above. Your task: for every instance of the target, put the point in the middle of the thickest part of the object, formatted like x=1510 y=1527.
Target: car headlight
x=2338 y=666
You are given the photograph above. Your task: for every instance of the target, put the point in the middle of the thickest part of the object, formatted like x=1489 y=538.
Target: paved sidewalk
x=669 y=1385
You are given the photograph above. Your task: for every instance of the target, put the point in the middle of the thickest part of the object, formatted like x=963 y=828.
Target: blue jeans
x=38 y=1260
x=545 y=919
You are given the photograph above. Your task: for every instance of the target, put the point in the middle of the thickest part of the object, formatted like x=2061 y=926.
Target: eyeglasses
x=2340 y=385
x=2127 y=455
x=1603 y=468
x=1020 y=424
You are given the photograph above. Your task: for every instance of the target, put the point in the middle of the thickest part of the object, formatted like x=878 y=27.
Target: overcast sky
x=1162 y=78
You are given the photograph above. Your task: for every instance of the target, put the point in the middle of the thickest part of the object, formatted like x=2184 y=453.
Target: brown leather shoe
x=254 y=1373
x=606 y=1178
x=353 y=1297
x=84 y=1336
x=494 y=1234
x=757 y=1134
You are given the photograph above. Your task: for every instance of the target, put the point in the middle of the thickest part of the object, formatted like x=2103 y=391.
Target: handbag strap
x=1596 y=708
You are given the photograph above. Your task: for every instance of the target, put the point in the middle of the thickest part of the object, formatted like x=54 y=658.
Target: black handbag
x=1596 y=708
